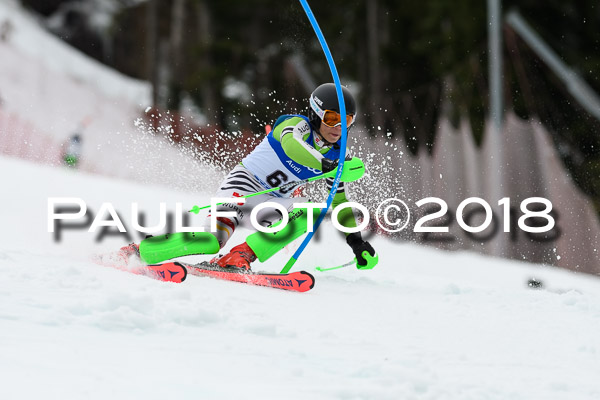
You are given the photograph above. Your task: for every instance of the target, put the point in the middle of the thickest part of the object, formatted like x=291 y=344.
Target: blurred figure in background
x=5 y=30
x=72 y=154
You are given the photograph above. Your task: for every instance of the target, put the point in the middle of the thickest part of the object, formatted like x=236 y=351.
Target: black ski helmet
x=324 y=98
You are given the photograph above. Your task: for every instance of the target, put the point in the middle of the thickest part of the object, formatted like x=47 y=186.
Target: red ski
x=169 y=272
x=299 y=281
x=166 y=272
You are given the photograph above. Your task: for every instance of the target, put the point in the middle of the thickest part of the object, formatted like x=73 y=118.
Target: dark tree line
x=409 y=61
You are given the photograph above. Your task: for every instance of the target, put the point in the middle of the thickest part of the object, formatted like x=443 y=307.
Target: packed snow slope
x=423 y=324
x=50 y=91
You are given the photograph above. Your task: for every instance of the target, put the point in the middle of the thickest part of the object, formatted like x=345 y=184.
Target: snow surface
x=26 y=35
x=424 y=324
x=56 y=91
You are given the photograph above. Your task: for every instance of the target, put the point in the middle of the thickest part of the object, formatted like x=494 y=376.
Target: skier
x=72 y=153
x=298 y=147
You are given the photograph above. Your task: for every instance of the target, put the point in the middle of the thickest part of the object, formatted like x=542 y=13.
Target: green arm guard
x=297 y=151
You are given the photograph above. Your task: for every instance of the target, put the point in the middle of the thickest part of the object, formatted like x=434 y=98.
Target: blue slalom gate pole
x=340 y=96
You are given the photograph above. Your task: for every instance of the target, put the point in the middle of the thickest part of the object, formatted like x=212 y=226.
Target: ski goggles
x=333 y=118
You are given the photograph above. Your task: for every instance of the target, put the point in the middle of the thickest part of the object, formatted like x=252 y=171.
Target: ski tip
x=312 y=278
x=184 y=270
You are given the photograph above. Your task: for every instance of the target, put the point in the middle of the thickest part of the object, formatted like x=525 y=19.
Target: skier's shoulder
x=295 y=123
x=293 y=120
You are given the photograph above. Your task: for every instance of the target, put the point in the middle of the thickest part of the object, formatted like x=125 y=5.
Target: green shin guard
x=265 y=245
x=156 y=249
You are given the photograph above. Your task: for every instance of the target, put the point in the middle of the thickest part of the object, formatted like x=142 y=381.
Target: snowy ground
x=53 y=90
x=423 y=324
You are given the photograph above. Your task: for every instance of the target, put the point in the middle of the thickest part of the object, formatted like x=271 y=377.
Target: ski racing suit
x=291 y=152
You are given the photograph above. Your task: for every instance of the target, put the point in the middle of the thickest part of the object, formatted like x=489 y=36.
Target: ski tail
x=166 y=272
x=298 y=281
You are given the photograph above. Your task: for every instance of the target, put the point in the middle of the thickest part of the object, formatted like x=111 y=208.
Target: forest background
x=241 y=63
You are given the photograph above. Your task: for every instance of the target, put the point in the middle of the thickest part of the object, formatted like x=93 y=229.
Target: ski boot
x=131 y=250
x=238 y=258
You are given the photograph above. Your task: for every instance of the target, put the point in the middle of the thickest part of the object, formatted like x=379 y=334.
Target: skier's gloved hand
x=354 y=168
x=358 y=246
x=328 y=165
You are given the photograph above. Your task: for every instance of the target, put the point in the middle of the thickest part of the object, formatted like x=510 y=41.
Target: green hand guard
x=371 y=261
x=354 y=169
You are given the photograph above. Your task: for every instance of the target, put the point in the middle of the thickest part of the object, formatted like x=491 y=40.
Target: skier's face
x=330 y=134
